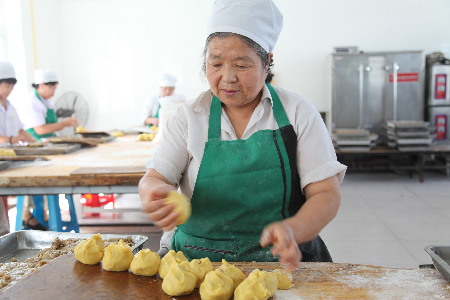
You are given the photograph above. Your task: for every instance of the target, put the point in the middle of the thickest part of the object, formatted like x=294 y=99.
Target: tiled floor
x=385 y=219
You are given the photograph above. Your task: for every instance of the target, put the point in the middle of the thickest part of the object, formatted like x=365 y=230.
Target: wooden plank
x=311 y=281
x=22 y=158
x=123 y=154
x=108 y=170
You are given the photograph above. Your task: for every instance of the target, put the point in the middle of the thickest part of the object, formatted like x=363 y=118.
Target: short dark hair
x=9 y=80
x=46 y=83
x=258 y=49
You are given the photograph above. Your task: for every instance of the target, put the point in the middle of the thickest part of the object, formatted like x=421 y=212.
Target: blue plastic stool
x=55 y=222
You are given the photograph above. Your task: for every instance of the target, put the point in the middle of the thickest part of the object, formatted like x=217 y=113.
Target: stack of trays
x=353 y=139
x=409 y=135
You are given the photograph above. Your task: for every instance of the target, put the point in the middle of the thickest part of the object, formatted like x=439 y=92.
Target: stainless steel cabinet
x=369 y=89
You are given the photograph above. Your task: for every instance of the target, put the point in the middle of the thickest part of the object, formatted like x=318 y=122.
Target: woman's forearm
x=320 y=208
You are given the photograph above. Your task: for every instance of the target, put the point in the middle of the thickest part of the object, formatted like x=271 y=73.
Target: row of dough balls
x=181 y=277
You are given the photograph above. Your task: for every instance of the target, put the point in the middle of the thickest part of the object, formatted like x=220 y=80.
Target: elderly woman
x=257 y=162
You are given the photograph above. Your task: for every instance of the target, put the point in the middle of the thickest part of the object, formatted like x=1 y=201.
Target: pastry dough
x=284 y=279
x=182 y=205
x=145 y=262
x=233 y=272
x=7 y=152
x=90 y=251
x=117 y=257
x=168 y=260
x=80 y=129
x=216 y=286
x=200 y=267
x=270 y=279
x=179 y=280
x=252 y=288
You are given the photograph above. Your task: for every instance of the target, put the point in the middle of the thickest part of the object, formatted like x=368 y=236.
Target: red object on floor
x=96 y=200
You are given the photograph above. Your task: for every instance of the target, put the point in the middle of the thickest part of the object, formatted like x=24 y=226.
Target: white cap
x=259 y=20
x=167 y=80
x=44 y=76
x=6 y=70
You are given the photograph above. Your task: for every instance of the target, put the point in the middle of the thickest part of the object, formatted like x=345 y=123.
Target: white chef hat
x=259 y=20
x=44 y=76
x=6 y=70
x=167 y=80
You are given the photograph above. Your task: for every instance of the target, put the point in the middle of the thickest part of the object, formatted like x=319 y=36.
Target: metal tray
x=47 y=149
x=441 y=259
x=27 y=243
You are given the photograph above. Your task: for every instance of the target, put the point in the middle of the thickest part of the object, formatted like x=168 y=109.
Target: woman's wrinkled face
x=46 y=91
x=234 y=71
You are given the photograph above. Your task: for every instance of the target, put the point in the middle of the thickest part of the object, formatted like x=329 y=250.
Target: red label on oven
x=404 y=77
x=440 y=86
x=440 y=122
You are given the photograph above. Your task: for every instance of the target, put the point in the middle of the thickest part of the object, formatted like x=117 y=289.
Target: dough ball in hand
x=179 y=280
x=182 y=205
x=90 y=251
x=145 y=262
x=118 y=257
x=216 y=286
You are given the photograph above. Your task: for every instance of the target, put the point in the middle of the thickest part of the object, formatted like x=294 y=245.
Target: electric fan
x=71 y=104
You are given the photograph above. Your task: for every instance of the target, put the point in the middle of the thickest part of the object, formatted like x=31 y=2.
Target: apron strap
x=278 y=109
x=215 y=119
x=216 y=111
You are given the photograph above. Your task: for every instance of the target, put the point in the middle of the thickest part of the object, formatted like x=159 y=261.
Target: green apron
x=50 y=118
x=242 y=186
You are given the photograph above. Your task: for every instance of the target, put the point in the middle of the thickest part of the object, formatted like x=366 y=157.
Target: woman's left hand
x=282 y=236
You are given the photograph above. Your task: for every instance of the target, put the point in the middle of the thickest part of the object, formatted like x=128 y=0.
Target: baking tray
x=47 y=149
x=441 y=259
x=24 y=244
x=4 y=165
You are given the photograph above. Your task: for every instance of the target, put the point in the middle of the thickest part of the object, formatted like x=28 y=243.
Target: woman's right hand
x=72 y=122
x=161 y=214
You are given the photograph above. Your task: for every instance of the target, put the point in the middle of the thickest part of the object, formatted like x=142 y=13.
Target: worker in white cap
x=256 y=162
x=39 y=115
x=151 y=111
x=11 y=128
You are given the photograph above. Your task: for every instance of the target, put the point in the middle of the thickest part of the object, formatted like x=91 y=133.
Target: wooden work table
x=113 y=167
x=66 y=278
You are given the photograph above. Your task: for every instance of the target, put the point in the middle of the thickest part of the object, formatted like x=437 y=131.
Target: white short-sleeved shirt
x=180 y=151
x=10 y=123
x=153 y=103
x=33 y=113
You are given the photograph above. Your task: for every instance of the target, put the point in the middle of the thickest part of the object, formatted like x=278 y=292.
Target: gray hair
x=255 y=46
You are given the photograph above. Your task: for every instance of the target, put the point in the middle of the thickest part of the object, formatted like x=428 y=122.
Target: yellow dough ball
x=216 y=286
x=7 y=152
x=284 y=279
x=80 y=129
x=200 y=267
x=270 y=279
x=182 y=205
x=252 y=288
x=145 y=262
x=168 y=260
x=233 y=272
x=90 y=251
x=179 y=280
x=117 y=257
